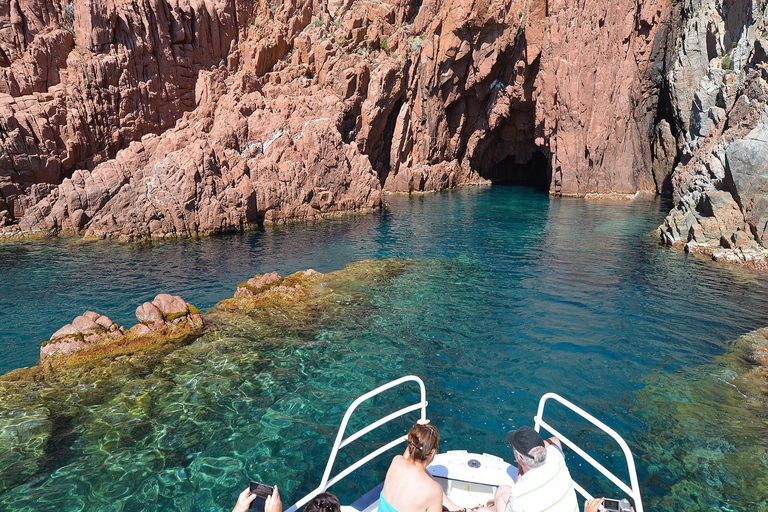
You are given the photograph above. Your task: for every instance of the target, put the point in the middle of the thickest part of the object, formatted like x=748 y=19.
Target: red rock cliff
x=177 y=118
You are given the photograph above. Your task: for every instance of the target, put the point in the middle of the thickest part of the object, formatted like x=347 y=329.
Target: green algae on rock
x=720 y=409
x=166 y=388
x=304 y=301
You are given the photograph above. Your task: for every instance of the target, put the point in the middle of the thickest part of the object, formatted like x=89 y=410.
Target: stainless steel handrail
x=341 y=442
x=634 y=491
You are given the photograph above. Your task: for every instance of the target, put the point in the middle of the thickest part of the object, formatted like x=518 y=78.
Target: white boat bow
x=468 y=479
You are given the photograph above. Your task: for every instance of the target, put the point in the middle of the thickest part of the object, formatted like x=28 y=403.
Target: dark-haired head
x=325 y=502
x=422 y=440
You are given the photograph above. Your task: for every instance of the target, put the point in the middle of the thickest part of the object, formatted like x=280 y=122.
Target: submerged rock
x=705 y=446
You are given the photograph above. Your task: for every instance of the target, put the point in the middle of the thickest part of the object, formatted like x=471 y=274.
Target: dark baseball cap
x=524 y=440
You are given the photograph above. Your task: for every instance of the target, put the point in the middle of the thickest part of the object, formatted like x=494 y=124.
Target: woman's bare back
x=409 y=488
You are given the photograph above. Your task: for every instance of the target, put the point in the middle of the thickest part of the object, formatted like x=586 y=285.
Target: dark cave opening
x=382 y=164
x=535 y=172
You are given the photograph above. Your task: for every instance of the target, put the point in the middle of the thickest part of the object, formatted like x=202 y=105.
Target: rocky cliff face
x=80 y=81
x=179 y=118
x=719 y=91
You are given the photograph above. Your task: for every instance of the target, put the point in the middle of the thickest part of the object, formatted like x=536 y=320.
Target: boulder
x=170 y=305
x=85 y=325
x=148 y=313
x=86 y=329
x=166 y=310
x=747 y=168
x=105 y=322
x=167 y=315
x=91 y=315
x=258 y=284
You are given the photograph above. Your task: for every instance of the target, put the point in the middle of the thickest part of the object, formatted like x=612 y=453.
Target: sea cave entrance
x=534 y=172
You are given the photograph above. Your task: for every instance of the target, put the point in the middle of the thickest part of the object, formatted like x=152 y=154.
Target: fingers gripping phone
x=262 y=491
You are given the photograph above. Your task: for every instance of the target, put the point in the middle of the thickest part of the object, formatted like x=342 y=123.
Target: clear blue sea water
x=510 y=294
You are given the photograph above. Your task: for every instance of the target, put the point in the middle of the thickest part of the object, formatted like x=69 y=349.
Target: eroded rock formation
x=221 y=115
x=719 y=85
x=81 y=80
x=94 y=336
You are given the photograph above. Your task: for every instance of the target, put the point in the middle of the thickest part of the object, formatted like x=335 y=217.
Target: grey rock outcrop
x=719 y=88
x=747 y=167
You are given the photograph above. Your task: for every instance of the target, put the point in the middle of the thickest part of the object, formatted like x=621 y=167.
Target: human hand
x=244 y=500
x=273 y=503
x=593 y=505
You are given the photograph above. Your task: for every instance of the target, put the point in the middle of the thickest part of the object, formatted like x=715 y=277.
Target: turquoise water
x=507 y=294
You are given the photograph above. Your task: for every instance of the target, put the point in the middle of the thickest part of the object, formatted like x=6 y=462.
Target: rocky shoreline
x=82 y=349
x=92 y=364
x=226 y=115
x=719 y=186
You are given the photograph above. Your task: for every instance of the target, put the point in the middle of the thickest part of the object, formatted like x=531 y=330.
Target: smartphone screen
x=261 y=491
x=611 y=504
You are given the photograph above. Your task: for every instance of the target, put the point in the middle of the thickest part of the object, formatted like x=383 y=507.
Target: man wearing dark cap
x=543 y=481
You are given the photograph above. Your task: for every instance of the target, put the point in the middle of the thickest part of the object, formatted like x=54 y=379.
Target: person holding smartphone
x=272 y=504
x=607 y=505
x=593 y=505
x=324 y=502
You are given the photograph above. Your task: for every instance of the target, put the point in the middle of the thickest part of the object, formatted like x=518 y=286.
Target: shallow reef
x=164 y=390
x=703 y=450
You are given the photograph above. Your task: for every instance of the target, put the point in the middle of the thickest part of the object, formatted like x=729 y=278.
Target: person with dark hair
x=323 y=502
x=408 y=487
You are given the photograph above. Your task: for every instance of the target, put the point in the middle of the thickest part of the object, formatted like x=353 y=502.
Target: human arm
x=447 y=503
x=435 y=497
x=553 y=441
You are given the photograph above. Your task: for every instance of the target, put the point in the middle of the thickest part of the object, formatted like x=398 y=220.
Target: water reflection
x=509 y=294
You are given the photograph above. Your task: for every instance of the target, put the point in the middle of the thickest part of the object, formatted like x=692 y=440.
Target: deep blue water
x=511 y=294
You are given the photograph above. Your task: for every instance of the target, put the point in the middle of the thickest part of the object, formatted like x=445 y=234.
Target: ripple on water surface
x=508 y=294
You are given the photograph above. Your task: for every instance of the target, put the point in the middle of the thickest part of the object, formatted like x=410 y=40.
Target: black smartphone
x=610 y=505
x=261 y=491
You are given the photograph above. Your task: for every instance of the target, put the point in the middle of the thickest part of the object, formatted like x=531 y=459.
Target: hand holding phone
x=262 y=492
x=610 y=505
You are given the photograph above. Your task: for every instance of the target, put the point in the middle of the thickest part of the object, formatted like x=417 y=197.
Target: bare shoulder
x=434 y=487
x=398 y=459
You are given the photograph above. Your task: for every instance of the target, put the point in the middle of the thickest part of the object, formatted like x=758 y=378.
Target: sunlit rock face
x=719 y=89
x=81 y=80
x=221 y=115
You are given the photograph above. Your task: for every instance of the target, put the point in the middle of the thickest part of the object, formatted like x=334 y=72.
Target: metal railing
x=634 y=490
x=341 y=441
